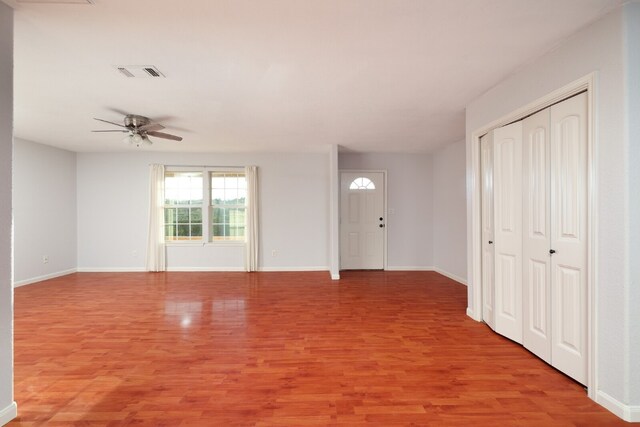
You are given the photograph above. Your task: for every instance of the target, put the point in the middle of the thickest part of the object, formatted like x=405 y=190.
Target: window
x=183 y=206
x=228 y=206
x=362 y=183
x=205 y=206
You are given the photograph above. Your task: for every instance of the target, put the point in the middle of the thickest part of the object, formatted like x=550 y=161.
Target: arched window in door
x=362 y=183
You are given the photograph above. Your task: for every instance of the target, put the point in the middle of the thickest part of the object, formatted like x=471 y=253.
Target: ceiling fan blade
x=107 y=121
x=165 y=119
x=158 y=119
x=164 y=135
x=151 y=127
x=118 y=112
x=115 y=130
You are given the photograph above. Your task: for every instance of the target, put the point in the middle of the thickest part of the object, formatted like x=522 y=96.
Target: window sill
x=184 y=243
x=195 y=244
x=225 y=243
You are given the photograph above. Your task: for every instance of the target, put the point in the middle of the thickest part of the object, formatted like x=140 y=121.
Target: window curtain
x=155 y=246
x=251 y=255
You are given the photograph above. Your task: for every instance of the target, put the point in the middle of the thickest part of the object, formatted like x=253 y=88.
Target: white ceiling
x=276 y=75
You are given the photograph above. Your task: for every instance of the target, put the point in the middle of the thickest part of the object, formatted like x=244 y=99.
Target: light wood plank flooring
x=209 y=349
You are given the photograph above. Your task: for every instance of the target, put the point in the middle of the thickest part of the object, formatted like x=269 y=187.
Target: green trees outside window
x=228 y=206
x=186 y=214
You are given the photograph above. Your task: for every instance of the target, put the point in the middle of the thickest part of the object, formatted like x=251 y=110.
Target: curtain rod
x=199 y=166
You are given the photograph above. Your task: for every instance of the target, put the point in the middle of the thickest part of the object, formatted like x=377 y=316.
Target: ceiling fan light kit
x=139 y=129
x=137 y=140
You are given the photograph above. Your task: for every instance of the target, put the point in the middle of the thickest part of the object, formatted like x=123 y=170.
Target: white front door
x=507 y=193
x=362 y=220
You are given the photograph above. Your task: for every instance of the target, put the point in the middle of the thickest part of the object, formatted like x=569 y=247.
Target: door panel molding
x=568 y=237
x=536 y=278
x=507 y=202
x=487 y=232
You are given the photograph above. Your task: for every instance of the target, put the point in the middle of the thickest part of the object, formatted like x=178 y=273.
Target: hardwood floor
x=208 y=349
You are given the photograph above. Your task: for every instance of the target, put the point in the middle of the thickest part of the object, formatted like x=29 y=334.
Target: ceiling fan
x=139 y=129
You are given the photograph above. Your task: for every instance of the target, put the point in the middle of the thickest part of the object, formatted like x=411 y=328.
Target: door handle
x=381 y=218
x=381 y=226
x=552 y=251
x=491 y=242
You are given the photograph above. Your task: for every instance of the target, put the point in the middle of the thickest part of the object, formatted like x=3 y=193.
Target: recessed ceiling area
x=276 y=75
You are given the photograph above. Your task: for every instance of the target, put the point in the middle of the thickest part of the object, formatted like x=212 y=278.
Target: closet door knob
x=552 y=251
x=491 y=242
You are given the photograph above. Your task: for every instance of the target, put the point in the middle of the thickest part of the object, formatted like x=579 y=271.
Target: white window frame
x=207 y=207
x=211 y=206
x=202 y=206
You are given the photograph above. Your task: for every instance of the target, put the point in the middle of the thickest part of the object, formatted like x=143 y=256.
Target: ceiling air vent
x=139 y=71
x=125 y=72
x=152 y=72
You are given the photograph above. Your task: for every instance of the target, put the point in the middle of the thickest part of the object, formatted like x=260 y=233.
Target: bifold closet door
x=507 y=194
x=535 y=171
x=536 y=207
x=569 y=236
x=555 y=235
x=488 y=259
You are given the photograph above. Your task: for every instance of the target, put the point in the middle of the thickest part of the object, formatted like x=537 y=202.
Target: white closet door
x=507 y=191
x=569 y=236
x=536 y=206
x=488 y=258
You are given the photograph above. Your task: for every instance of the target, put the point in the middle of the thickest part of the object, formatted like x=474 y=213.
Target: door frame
x=474 y=249
x=385 y=210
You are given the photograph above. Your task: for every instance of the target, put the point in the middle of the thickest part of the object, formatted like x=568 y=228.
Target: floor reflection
x=228 y=311
x=225 y=312
x=184 y=312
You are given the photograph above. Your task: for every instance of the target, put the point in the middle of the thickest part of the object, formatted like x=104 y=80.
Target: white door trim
x=474 y=252
x=386 y=214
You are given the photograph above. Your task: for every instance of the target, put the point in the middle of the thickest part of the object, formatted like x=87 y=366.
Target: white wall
x=450 y=211
x=44 y=211
x=7 y=407
x=113 y=211
x=599 y=48
x=410 y=197
x=632 y=53
x=334 y=212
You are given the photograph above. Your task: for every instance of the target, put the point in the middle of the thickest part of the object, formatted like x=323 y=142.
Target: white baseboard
x=427 y=268
x=628 y=413
x=211 y=269
x=451 y=276
x=111 y=270
x=186 y=269
x=472 y=315
x=408 y=268
x=8 y=413
x=285 y=269
x=44 y=277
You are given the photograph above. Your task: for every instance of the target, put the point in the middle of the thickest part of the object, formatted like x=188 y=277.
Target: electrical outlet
x=275 y=252
x=45 y=259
